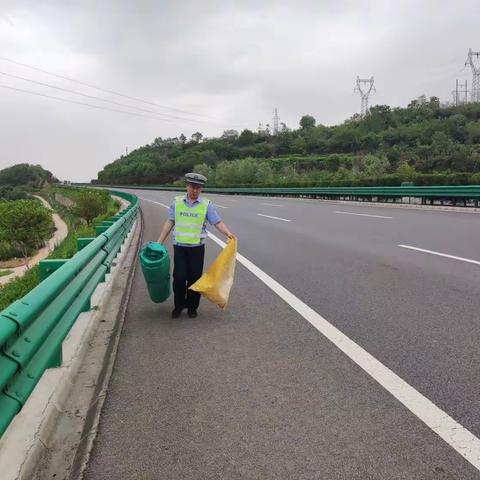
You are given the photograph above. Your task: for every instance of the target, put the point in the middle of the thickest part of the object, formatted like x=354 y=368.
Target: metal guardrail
x=468 y=195
x=33 y=328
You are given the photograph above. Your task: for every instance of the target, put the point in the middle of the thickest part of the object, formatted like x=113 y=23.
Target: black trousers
x=187 y=270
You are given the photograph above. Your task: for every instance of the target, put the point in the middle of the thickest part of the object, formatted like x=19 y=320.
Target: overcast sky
x=220 y=64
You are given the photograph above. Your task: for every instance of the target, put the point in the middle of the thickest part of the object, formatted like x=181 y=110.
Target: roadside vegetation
x=80 y=222
x=77 y=217
x=424 y=143
x=20 y=181
x=25 y=225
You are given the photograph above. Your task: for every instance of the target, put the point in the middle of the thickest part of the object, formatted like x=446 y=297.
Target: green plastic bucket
x=155 y=263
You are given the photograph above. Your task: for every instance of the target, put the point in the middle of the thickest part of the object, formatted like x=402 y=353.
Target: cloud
x=234 y=61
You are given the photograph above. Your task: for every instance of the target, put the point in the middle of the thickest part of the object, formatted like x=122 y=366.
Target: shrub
x=90 y=204
x=25 y=225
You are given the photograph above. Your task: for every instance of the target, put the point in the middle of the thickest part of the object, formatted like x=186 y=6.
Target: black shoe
x=192 y=313
x=176 y=312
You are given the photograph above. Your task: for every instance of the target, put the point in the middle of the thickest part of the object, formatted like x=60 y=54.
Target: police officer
x=189 y=214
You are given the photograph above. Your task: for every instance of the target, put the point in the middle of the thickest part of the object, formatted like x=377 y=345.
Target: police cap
x=195 y=178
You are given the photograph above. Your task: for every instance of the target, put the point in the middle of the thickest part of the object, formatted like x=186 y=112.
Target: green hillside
x=17 y=181
x=423 y=143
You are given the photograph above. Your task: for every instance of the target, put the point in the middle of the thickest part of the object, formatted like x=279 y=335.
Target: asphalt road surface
x=349 y=350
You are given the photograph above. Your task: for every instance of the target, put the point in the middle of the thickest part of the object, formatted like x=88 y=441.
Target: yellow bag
x=216 y=282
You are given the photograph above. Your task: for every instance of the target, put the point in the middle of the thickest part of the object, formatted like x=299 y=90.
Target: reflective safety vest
x=189 y=221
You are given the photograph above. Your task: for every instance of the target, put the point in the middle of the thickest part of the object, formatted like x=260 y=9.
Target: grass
x=20 y=286
x=4 y=273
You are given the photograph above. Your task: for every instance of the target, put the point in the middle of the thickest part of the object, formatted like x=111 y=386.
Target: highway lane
x=416 y=313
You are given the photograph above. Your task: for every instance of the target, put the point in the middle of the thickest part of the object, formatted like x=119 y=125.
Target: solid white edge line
x=439 y=254
x=363 y=215
x=276 y=218
x=220 y=206
x=454 y=434
x=272 y=204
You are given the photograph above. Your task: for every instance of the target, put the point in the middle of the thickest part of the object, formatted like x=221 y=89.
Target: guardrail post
x=88 y=304
x=83 y=242
x=99 y=229
x=47 y=267
x=56 y=358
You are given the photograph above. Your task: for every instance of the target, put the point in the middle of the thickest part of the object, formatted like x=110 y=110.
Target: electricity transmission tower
x=475 y=66
x=457 y=94
x=275 y=119
x=365 y=92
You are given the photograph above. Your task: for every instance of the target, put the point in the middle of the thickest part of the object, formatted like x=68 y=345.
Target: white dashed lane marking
x=446 y=255
x=276 y=218
x=363 y=215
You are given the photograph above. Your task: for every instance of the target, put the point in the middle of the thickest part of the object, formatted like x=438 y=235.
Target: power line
x=96 y=98
x=83 y=103
x=101 y=88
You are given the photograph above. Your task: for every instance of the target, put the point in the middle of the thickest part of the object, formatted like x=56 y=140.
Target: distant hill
x=424 y=143
x=25 y=175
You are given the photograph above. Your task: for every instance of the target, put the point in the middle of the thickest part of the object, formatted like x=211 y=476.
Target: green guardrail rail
x=33 y=328
x=468 y=195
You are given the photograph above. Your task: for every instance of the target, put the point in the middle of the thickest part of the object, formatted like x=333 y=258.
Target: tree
x=243 y=172
x=442 y=145
x=316 y=139
x=473 y=132
x=90 y=204
x=197 y=137
x=207 y=171
x=299 y=145
x=417 y=102
x=158 y=142
x=25 y=224
x=332 y=162
x=374 y=166
x=247 y=137
x=285 y=143
x=379 y=118
x=208 y=157
x=456 y=127
x=406 y=172
x=345 y=139
x=307 y=121
x=232 y=134
x=12 y=193
x=182 y=138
